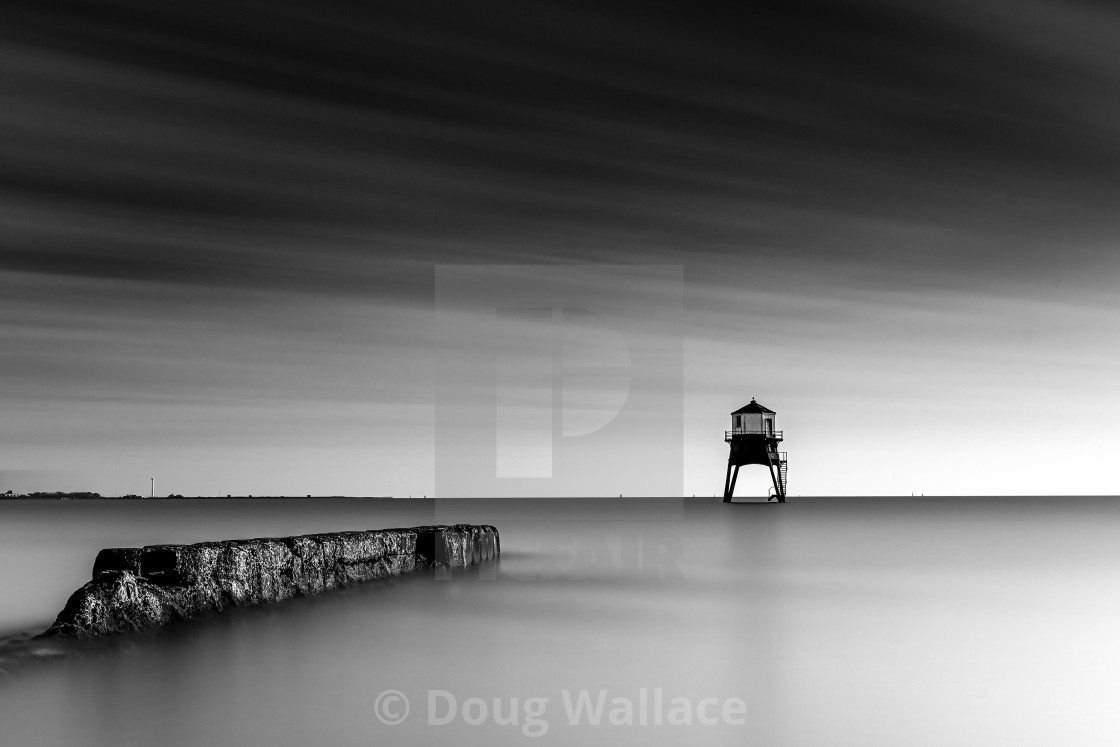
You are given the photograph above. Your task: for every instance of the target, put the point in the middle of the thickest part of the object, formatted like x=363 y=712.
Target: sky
x=222 y=227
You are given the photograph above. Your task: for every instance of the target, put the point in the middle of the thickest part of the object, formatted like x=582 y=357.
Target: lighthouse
x=754 y=439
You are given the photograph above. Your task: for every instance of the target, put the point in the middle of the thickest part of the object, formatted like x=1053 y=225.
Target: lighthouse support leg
x=729 y=483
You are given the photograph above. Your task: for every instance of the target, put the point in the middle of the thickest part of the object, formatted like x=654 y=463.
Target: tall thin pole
x=153 y=487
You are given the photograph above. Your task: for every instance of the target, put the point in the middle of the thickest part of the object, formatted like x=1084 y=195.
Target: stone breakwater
x=138 y=588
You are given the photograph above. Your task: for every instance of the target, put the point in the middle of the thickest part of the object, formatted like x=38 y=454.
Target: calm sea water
x=963 y=621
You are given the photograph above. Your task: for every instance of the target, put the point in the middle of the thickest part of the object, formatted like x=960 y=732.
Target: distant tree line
x=66 y=495
x=59 y=494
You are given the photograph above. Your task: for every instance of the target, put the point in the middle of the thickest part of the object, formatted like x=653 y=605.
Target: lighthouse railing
x=751 y=432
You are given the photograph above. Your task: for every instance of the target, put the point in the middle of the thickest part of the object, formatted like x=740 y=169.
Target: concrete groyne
x=138 y=588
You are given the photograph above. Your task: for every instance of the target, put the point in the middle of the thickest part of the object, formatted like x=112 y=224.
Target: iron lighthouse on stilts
x=754 y=439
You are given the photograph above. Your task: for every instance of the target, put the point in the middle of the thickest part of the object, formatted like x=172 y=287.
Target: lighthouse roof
x=752 y=407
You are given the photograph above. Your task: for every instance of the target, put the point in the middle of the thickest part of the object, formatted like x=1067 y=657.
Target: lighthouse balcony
x=728 y=435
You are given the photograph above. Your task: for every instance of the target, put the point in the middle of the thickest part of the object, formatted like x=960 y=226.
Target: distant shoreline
x=82 y=496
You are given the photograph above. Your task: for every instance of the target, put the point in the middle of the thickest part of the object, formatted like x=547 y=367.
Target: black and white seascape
x=576 y=373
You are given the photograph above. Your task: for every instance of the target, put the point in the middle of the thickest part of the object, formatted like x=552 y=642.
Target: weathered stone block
x=238 y=572
x=431 y=549
x=113 y=560
x=179 y=565
x=307 y=564
x=115 y=603
x=275 y=560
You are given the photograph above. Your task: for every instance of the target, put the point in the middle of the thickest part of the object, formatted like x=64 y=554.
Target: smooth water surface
x=933 y=621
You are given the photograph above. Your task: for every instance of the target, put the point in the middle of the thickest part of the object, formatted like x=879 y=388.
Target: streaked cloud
x=242 y=205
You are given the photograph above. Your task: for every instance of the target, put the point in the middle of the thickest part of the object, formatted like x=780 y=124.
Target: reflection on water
x=818 y=622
